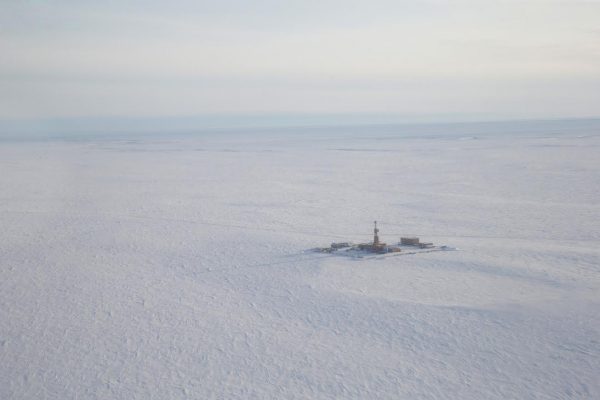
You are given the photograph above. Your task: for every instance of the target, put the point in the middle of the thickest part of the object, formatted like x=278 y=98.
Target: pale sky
x=489 y=58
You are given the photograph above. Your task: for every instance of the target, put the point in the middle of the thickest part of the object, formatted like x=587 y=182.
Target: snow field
x=174 y=267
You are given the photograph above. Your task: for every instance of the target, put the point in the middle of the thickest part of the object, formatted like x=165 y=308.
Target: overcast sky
x=488 y=58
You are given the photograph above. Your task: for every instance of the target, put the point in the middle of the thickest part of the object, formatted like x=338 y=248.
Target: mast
x=375 y=236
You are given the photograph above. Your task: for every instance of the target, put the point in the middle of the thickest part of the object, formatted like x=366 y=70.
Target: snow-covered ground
x=175 y=266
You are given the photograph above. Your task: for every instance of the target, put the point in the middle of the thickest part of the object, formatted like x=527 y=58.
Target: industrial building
x=377 y=246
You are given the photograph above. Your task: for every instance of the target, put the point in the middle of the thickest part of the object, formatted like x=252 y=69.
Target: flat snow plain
x=174 y=266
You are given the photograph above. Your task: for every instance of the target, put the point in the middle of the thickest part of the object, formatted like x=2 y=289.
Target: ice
x=175 y=266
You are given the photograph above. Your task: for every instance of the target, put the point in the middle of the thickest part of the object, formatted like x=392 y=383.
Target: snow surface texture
x=172 y=266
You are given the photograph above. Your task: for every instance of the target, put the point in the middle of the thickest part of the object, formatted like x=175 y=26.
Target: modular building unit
x=412 y=241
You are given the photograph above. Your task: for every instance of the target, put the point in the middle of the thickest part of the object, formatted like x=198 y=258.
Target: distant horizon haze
x=324 y=125
x=421 y=60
